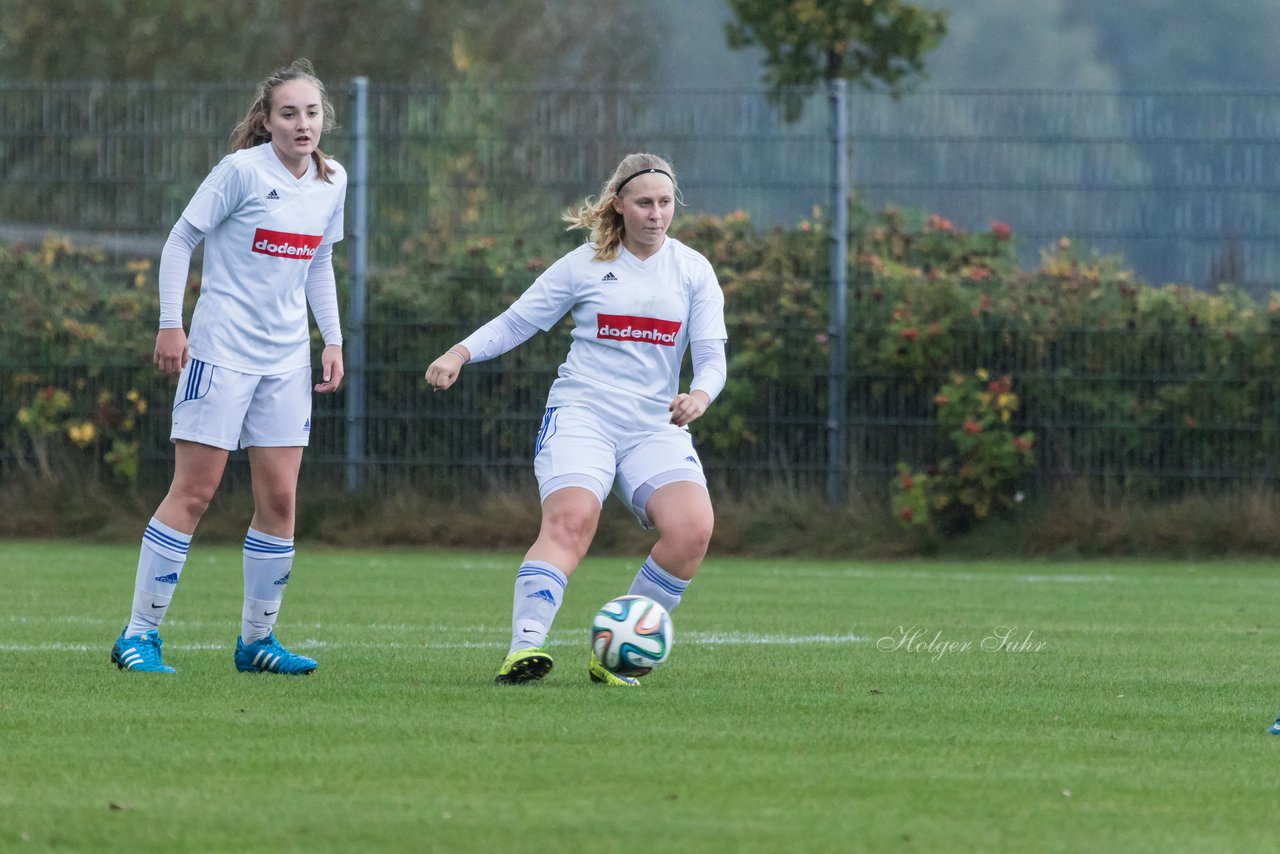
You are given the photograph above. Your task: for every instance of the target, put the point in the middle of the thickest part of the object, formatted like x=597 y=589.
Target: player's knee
x=194 y=508
x=194 y=498
x=572 y=531
x=277 y=503
x=697 y=541
x=691 y=537
x=700 y=532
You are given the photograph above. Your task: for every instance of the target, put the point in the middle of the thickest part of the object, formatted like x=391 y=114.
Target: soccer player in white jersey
x=615 y=416
x=269 y=214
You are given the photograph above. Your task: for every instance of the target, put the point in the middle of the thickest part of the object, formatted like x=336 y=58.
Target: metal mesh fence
x=1146 y=419
x=1182 y=185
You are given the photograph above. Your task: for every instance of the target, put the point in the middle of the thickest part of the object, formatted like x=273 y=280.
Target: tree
x=443 y=65
x=392 y=41
x=809 y=41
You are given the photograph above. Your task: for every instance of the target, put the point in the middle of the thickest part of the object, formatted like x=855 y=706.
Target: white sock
x=538 y=594
x=160 y=561
x=658 y=584
x=267 y=563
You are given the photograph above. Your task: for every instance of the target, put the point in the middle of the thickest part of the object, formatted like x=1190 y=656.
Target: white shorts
x=230 y=410
x=576 y=447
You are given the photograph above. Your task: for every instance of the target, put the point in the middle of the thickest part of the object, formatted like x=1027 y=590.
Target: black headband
x=651 y=169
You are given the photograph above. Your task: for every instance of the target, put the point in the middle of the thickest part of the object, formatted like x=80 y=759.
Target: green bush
x=75 y=330
x=1150 y=388
x=984 y=463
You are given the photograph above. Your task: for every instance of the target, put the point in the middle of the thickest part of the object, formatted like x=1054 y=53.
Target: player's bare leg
x=275 y=489
x=682 y=514
x=569 y=520
x=197 y=471
x=268 y=562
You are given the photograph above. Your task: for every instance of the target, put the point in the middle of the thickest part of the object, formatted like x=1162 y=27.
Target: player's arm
x=710 y=370
x=500 y=335
x=175 y=262
x=322 y=296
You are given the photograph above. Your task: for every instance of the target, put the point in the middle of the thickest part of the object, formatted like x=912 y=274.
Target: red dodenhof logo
x=647 y=330
x=282 y=244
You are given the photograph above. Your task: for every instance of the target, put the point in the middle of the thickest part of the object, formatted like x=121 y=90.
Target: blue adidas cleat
x=268 y=656
x=140 y=653
x=1274 y=729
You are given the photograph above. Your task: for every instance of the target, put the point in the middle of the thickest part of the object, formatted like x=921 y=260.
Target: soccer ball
x=631 y=635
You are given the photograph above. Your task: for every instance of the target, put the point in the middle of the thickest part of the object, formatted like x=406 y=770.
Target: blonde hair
x=252 y=129
x=598 y=216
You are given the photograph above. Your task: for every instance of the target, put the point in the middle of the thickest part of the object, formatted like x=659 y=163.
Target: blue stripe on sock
x=663 y=583
x=252 y=544
x=536 y=572
x=160 y=538
x=284 y=550
x=531 y=571
x=167 y=539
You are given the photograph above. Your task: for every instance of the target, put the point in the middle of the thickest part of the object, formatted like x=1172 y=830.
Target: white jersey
x=262 y=227
x=633 y=321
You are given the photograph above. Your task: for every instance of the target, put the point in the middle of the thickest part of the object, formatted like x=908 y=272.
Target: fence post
x=358 y=253
x=837 y=331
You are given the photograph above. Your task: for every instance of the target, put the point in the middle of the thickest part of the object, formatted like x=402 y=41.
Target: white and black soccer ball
x=631 y=635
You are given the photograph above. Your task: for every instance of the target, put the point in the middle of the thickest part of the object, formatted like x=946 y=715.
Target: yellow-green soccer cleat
x=599 y=673
x=524 y=665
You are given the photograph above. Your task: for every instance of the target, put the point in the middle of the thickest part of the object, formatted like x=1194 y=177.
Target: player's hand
x=170 y=354
x=443 y=372
x=331 y=370
x=688 y=407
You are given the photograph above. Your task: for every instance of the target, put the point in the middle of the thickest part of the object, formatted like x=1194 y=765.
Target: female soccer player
x=614 y=416
x=269 y=214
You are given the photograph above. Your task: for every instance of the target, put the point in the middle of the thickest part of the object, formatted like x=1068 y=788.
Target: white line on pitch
x=575 y=638
x=951 y=575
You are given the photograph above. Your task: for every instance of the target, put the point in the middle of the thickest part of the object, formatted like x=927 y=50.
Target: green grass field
x=1126 y=713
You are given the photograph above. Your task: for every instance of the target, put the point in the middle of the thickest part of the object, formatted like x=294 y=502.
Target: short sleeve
x=550 y=297
x=333 y=230
x=706 y=308
x=220 y=194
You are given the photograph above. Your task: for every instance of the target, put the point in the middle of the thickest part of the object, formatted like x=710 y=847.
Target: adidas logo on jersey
x=609 y=277
x=273 y=195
